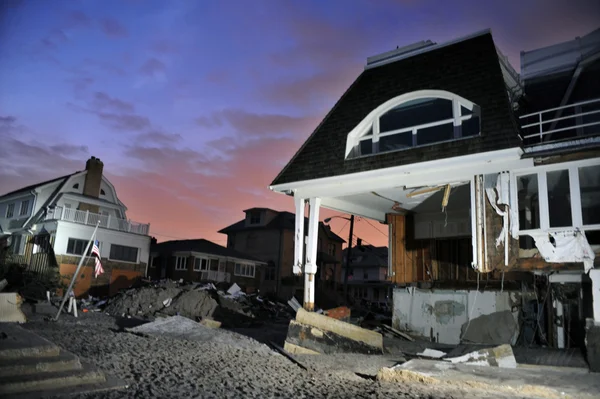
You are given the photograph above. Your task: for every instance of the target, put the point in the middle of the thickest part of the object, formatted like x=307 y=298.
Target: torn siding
x=497 y=191
x=569 y=245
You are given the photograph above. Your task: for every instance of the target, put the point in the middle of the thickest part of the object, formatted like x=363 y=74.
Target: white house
x=68 y=208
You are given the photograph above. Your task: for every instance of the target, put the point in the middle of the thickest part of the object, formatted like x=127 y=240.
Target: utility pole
x=348 y=259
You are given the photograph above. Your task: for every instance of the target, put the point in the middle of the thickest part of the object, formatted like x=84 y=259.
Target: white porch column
x=299 y=236
x=595 y=277
x=310 y=268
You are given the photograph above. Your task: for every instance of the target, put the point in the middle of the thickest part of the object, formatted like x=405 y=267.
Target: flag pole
x=87 y=248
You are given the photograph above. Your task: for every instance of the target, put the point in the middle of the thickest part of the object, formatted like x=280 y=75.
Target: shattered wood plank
x=284 y=353
x=398 y=333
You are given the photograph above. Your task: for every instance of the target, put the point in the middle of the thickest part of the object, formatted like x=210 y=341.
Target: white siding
x=17 y=201
x=66 y=230
x=109 y=194
x=80 y=180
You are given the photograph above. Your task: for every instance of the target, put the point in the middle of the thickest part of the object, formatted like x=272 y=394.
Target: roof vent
x=399 y=51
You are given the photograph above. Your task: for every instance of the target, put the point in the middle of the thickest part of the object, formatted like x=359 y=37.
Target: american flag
x=96 y=251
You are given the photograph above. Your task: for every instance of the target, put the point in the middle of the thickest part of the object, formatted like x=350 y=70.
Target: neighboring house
x=489 y=182
x=269 y=235
x=368 y=277
x=203 y=260
x=63 y=212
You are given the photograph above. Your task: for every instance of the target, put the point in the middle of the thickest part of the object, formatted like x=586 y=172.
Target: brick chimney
x=93 y=180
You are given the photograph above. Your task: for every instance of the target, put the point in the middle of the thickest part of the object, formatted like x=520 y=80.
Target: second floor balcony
x=561 y=127
x=91 y=219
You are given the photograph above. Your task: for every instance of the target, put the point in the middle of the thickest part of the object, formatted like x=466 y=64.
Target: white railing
x=570 y=121
x=213 y=275
x=91 y=219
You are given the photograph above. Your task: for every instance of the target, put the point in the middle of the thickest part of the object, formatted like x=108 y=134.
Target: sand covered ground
x=223 y=364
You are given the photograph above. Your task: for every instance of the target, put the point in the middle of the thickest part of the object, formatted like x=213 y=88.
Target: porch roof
x=469 y=68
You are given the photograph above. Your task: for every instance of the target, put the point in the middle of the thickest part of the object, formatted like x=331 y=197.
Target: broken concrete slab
x=540 y=381
x=10 y=308
x=491 y=329
x=347 y=330
x=210 y=323
x=322 y=334
x=499 y=356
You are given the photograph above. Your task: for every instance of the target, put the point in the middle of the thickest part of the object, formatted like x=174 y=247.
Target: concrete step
x=32 y=365
x=48 y=381
x=18 y=343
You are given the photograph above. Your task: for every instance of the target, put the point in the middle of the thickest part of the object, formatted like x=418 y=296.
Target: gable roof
x=201 y=245
x=34 y=186
x=283 y=221
x=468 y=68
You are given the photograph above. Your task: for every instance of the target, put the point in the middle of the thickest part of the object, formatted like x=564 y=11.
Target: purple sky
x=195 y=106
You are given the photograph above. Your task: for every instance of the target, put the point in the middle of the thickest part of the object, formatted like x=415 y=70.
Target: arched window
x=76 y=186
x=102 y=192
x=414 y=119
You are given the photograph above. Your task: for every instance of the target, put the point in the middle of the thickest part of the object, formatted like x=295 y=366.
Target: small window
x=154 y=261
x=200 y=264
x=102 y=192
x=589 y=186
x=254 y=217
x=76 y=186
x=24 y=208
x=123 y=253
x=244 y=270
x=331 y=249
x=559 y=198
x=10 y=211
x=76 y=246
x=180 y=263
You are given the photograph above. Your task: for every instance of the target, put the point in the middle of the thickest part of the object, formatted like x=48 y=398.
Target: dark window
x=76 y=186
x=471 y=127
x=395 y=142
x=102 y=192
x=529 y=206
x=366 y=147
x=331 y=249
x=589 y=186
x=270 y=272
x=24 y=208
x=76 y=247
x=123 y=253
x=10 y=210
x=254 y=217
x=416 y=112
x=559 y=198
x=434 y=134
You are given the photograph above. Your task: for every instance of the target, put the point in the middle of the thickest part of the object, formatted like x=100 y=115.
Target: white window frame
x=10 y=211
x=199 y=264
x=181 y=265
x=371 y=122
x=574 y=190
x=244 y=270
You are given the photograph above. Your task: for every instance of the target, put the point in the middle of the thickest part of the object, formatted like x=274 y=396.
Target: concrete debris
x=500 y=356
x=321 y=334
x=492 y=329
x=234 y=289
x=294 y=304
x=10 y=308
x=432 y=353
x=196 y=301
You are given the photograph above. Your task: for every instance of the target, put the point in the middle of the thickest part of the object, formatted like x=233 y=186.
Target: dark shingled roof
x=283 y=221
x=34 y=186
x=200 y=245
x=468 y=68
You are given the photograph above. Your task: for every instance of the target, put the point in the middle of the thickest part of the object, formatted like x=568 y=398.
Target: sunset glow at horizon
x=195 y=106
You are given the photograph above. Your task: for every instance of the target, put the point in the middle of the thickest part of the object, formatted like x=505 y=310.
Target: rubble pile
x=195 y=301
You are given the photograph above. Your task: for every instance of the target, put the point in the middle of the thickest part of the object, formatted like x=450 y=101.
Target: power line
x=373 y=226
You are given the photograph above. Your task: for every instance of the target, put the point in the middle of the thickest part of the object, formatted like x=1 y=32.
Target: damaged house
x=48 y=225
x=488 y=180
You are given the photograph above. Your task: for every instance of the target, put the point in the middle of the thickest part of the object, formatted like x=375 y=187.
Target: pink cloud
x=113 y=28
